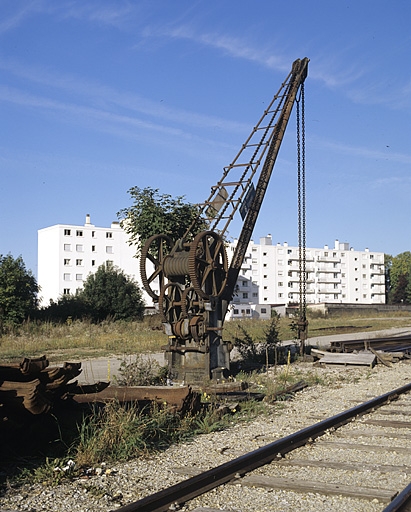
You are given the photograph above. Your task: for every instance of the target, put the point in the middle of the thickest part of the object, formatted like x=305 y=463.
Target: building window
x=79 y=277
x=280 y=295
x=265 y=287
x=255 y=294
x=79 y=248
x=235 y=311
x=67 y=262
x=66 y=291
x=264 y=264
x=245 y=295
x=67 y=232
x=244 y=283
x=264 y=254
x=79 y=263
x=93 y=248
x=109 y=249
x=93 y=234
x=109 y=234
x=79 y=232
x=93 y=262
x=248 y=311
x=263 y=310
x=67 y=277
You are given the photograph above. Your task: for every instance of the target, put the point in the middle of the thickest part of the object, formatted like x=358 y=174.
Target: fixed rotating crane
x=190 y=278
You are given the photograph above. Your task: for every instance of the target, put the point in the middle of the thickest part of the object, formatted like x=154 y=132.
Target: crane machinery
x=191 y=279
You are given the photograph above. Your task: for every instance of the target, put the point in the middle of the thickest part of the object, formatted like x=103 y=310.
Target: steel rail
x=401 y=503
x=199 y=484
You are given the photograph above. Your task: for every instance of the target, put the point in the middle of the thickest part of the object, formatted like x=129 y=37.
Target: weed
x=141 y=371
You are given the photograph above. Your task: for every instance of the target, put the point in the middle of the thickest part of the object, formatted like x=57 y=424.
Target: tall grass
x=83 y=339
x=117 y=433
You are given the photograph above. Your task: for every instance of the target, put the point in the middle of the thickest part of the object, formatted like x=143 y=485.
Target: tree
x=18 y=291
x=110 y=293
x=153 y=213
x=66 y=307
x=398 y=271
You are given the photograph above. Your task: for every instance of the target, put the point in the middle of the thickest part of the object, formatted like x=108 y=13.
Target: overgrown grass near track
x=83 y=339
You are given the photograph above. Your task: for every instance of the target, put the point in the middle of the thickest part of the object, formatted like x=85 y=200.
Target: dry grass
x=85 y=340
x=82 y=339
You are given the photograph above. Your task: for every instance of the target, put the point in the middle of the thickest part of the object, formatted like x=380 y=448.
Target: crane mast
x=190 y=278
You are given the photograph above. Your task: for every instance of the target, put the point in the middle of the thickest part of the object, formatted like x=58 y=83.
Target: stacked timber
x=366 y=357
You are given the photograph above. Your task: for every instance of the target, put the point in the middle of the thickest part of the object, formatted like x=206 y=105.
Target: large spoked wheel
x=153 y=254
x=208 y=264
x=170 y=303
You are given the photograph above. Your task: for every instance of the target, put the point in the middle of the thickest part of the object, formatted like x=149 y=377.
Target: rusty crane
x=191 y=278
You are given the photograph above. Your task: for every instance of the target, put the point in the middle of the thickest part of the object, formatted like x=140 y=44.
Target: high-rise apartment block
x=67 y=254
x=269 y=275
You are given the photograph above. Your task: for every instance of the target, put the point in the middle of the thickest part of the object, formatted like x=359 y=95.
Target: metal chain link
x=301 y=209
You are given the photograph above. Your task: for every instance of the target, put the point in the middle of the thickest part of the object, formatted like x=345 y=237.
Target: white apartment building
x=67 y=254
x=269 y=277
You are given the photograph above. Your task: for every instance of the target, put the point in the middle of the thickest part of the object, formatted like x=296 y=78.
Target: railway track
x=359 y=459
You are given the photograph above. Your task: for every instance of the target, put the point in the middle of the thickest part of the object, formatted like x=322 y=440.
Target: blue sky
x=98 y=96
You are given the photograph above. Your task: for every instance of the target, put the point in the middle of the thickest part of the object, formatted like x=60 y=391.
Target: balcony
x=328 y=259
x=323 y=268
x=329 y=291
x=328 y=279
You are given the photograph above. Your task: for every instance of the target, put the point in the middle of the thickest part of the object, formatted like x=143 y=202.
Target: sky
x=98 y=96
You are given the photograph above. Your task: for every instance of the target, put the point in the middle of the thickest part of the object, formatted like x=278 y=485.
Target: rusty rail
x=199 y=484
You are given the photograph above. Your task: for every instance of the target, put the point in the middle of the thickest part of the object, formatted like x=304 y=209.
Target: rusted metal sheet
x=183 y=398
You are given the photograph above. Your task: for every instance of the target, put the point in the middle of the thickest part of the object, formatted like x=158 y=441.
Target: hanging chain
x=302 y=324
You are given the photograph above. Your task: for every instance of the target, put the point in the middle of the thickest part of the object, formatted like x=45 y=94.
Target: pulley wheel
x=155 y=250
x=208 y=265
x=170 y=302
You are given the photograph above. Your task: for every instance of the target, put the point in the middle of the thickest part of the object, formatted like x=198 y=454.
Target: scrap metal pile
x=33 y=389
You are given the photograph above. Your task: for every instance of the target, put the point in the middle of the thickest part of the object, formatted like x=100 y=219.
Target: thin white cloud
x=14 y=20
x=99 y=95
x=121 y=125
x=371 y=154
x=115 y=15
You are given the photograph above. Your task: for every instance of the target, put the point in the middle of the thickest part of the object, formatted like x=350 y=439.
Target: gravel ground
x=339 y=390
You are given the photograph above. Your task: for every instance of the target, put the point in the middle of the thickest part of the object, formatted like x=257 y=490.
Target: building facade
x=269 y=276
x=67 y=254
